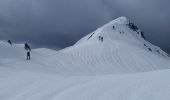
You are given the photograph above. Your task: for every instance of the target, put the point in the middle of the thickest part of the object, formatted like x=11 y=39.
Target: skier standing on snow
x=28 y=49
x=114 y=27
x=28 y=55
x=99 y=38
x=102 y=39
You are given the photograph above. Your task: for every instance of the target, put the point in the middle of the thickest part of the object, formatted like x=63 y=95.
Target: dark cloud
x=60 y=23
x=49 y=22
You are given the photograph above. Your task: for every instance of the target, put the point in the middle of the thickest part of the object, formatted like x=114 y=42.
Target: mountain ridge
x=129 y=28
x=123 y=50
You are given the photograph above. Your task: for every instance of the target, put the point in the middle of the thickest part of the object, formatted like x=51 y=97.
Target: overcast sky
x=60 y=23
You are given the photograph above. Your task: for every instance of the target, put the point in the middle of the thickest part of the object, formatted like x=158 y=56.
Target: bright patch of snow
x=40 y=86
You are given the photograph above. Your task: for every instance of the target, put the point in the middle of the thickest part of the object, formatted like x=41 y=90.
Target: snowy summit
x=115 y=62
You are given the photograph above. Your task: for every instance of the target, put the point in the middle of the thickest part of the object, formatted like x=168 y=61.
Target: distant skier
x=102 y=39
x=9 y=41
x=28 y=49
x=99 y=38
x=114 y=27
x=28 y=55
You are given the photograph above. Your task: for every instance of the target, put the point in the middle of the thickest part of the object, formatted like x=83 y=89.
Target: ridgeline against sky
x=60 y=23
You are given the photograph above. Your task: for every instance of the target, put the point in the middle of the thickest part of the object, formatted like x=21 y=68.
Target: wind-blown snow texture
x=119 y=68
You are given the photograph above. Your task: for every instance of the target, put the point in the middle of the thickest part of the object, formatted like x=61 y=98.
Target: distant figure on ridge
x=28 y=55
x=114 y=27
x=102 y=39
x=99 y=38
x=28 y=49
x=9 y=41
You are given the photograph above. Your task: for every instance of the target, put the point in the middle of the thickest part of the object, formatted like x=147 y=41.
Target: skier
x=99 y=38
x=114 y=27
x=28 y=49
x=102 y=39
x=28 y=55
x=9 y=41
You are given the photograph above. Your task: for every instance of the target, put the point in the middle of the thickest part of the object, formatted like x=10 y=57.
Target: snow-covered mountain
x=115 y=67
x=123 y=50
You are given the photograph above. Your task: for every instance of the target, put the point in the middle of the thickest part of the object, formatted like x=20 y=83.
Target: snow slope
x=123 y=52
x=16 y=85
x=10 y=53
x=90 y=69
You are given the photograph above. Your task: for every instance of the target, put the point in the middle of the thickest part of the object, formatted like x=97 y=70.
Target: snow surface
x=123 y=67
